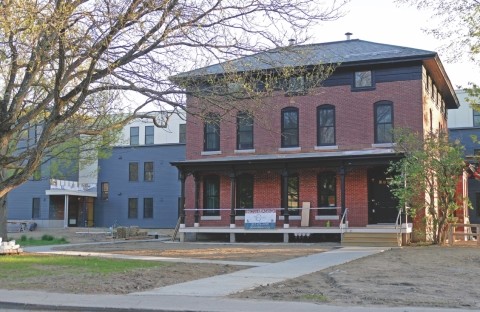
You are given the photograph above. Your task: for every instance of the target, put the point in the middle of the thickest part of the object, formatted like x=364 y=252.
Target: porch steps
x=366 y=239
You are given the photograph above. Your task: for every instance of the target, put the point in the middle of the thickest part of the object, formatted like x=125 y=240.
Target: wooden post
x=233 y=186
x=197 y=199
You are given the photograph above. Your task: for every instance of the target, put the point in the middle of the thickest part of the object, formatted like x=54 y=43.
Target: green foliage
x=47 y=237
x=426 y=179
x=44 y=240
x=316 y=297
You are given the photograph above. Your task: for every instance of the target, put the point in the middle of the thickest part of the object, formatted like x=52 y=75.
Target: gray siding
x=19 y=200
x=164 y=189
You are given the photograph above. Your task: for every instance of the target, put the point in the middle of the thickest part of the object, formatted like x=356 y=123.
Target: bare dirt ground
x=430 y=276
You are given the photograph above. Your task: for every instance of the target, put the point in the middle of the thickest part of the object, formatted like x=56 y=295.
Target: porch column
x=343 y=173
x=65 y=212
x=233 y=202
x=196 y=176
x=286 y=215
x=182 y=198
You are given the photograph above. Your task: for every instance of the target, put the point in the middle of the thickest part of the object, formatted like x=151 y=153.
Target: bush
x=23 y=238
x=47 y=237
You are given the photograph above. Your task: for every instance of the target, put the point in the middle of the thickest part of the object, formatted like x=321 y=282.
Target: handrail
x=343 y=219
x=175 y=231
x=398 y=222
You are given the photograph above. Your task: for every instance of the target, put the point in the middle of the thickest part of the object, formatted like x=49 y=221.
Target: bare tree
x=69 y=66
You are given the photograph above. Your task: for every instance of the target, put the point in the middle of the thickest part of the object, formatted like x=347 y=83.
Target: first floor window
x=132 y=208
x=244 y=193
x=211 y=196
x=133 y=171
x=383 y=122
x=293 y=202
x=148 y=171
x=148 y=208
x=327 y=193
x=35 y=208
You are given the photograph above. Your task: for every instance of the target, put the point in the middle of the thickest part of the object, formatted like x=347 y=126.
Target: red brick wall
x=354 y=117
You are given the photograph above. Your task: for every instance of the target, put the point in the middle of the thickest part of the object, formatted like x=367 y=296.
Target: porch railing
x=344 y=221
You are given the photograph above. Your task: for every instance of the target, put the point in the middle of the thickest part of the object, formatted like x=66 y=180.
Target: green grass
x=315 y=297
x=44 y=240
x=29 y=266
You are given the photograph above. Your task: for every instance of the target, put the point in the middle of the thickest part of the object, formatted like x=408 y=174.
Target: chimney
x=291 y=42
x=348 y=34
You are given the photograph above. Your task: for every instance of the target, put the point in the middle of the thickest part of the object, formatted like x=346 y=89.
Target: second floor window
x=133 y=171
x=476 y=118
x=244 y=131
x=134 y=136
x=149 y=135
x=326 y=125
x=383 y=122
x=148 y=171
x=211 y=133
x=290 y=127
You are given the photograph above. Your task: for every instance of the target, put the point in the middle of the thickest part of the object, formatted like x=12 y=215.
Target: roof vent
x=348 y=34
x=291 y=42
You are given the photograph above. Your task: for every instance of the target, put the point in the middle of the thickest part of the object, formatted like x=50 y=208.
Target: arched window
x=383 y=122
x=290 y=127
x=326 y=125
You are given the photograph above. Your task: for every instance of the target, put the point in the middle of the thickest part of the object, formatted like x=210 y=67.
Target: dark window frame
x=293 y=192
x=476 y=118
x=148 y=209
x=182 y=133
x=320 y=138
x=211 y=195
x=245 y=130
x=327 y=193
x=378 y=125
x=134 y=137
x=296 y=85
x=370 y=86
x=294 y=131
x=211 y=133
x=133 y=171
x=133 y=208
x=245 y=184
x=104 y=190
x=35 y=208
x=148 y=173
x=149 y=135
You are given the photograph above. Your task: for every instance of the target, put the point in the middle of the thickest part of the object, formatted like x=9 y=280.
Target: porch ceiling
x=293 y=160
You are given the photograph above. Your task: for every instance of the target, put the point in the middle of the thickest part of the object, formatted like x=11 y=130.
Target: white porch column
x=65 y=212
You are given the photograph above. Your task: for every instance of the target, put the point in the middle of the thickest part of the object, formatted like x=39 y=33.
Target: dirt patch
x=413 y=276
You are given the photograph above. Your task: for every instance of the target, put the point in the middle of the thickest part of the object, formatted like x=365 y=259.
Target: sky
x=384 y=21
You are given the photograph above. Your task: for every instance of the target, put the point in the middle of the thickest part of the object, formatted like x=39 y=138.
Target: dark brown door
x=382 y=205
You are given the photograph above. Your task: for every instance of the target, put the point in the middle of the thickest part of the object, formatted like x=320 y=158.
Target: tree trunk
x=3 y=218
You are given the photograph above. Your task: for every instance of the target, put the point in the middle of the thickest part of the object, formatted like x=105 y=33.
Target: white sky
x=383 y=21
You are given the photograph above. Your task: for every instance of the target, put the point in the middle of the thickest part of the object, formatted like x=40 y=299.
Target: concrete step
x=371 y=239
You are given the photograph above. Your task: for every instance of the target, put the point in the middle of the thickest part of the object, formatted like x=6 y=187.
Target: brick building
x=314 y=154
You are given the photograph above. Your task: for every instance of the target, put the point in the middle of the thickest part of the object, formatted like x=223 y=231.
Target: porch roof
x=71 y=192
x=355 y=157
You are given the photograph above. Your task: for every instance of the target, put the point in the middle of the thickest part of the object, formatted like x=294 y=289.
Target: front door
x=382 y=205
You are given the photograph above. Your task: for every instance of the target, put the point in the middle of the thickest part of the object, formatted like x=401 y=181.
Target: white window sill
x=326 y=147
x=326 y=217
x=239 y=217
x=211 y=218
x=289 y=149
x=207 y=153
x=380 y=145
x=290 y=218
x=245 y=151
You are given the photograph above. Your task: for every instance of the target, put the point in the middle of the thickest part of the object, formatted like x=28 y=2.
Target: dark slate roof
x=349 y=52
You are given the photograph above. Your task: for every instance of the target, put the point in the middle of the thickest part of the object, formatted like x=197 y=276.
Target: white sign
x=260 y=219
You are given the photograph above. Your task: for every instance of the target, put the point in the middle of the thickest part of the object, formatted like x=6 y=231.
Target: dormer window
x=296 y=85
x=363 y=79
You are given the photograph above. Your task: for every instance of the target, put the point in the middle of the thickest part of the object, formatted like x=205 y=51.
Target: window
x=182 y=133
x=327 y=193
x=363 y=79
x=244 y=131
x=149 y=135
x=134 y=135
x=383 y=122
x=211 y=133
x=244 y=193
x=290 y=127
x=211 y=196
x=296 y=85
x=326 y=125
x=132 y=208
x=105 y=190
x=293 y=202
x=148 y=208
x=133 y=171
x=35 y=208
x=476 y=152
x=476 y=118
x=477 y=203
x=148 y=171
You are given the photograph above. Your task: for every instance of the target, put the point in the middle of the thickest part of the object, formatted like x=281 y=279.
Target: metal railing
x=344 y=221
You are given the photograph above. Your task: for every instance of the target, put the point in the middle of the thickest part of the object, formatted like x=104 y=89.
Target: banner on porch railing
x=260 y=219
